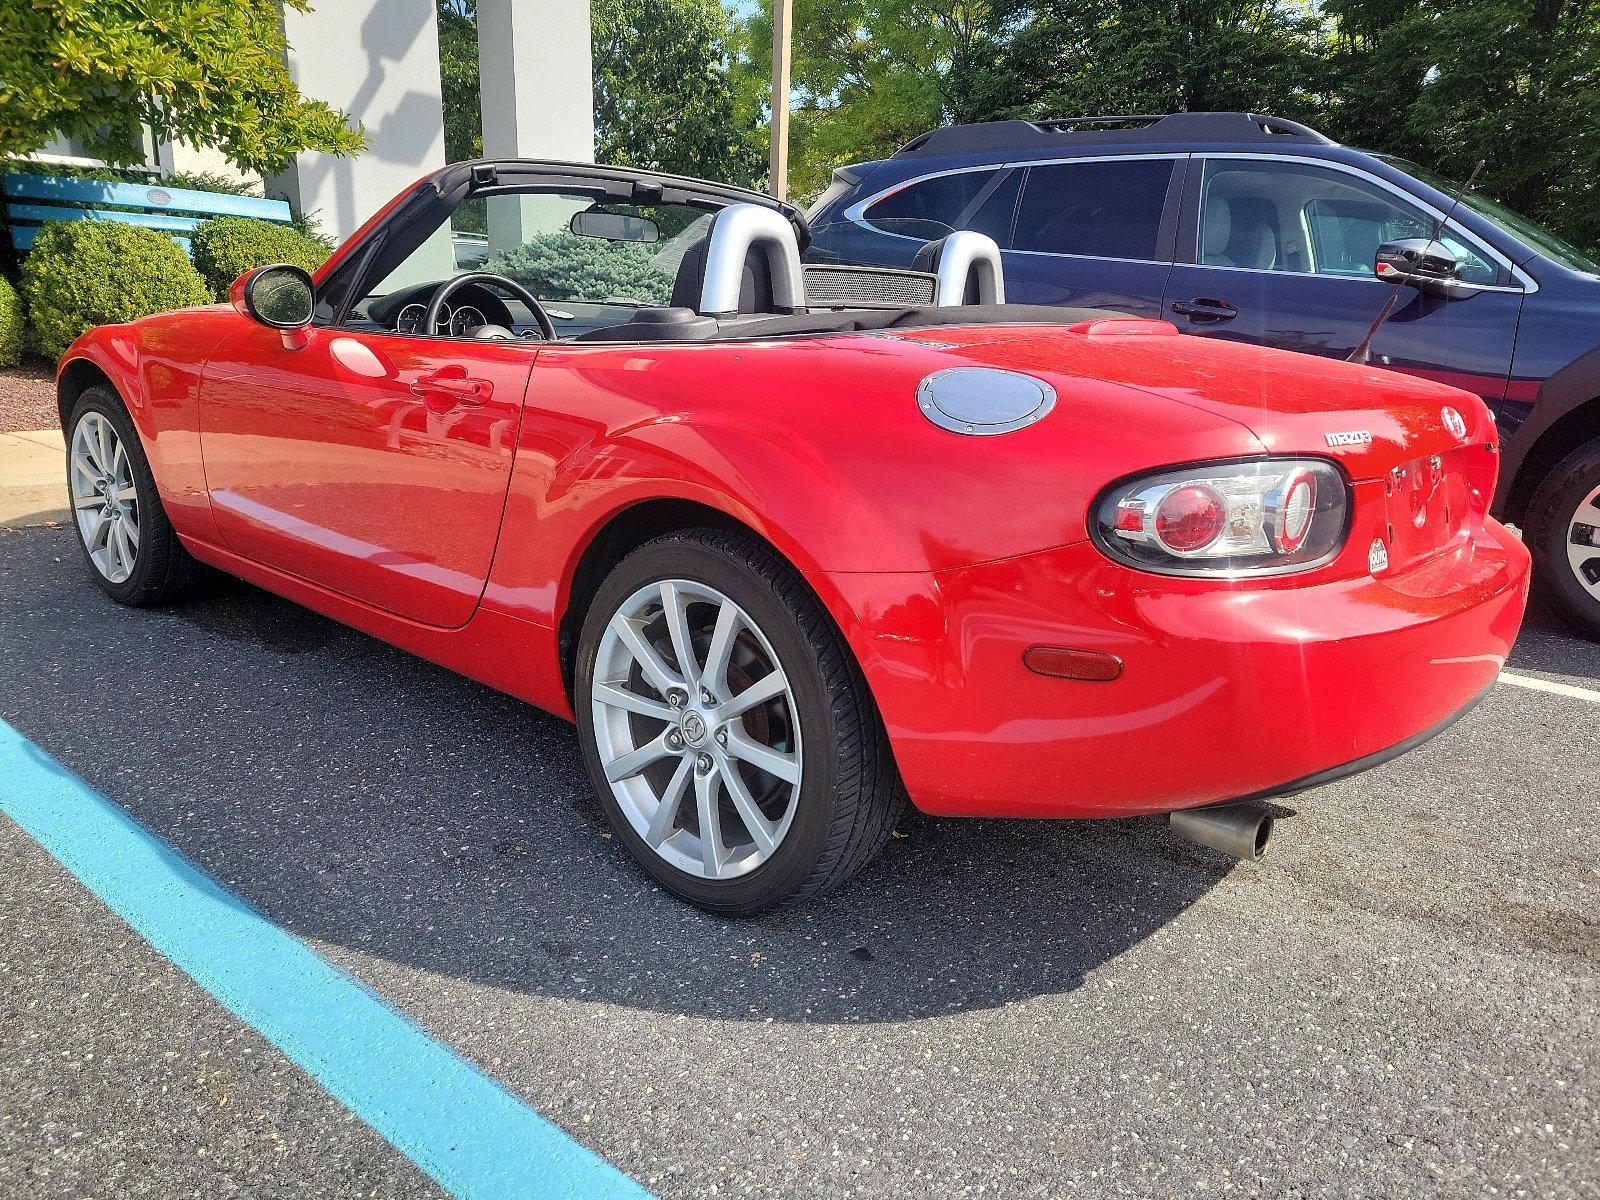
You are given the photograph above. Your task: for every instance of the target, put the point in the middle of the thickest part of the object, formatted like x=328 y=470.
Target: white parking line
x=1555 y=689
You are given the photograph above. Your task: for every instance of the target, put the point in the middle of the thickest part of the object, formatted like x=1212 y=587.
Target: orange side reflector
x=1063 y=662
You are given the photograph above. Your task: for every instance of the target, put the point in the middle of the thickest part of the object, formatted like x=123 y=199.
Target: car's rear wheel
x=1563 y=531
x=130 y=546
x=732 y=741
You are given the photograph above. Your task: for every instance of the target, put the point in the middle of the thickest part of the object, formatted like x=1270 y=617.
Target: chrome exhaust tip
x=1241 y=831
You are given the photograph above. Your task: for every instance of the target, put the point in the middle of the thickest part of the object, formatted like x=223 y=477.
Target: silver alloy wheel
x=689 y=692
x=104 y=499
x=1583 y=542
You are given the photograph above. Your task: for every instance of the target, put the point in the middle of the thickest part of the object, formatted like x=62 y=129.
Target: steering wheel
x=450 y=287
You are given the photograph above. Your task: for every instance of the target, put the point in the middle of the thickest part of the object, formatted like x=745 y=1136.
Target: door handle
x=456 y=384
x=1206 y=308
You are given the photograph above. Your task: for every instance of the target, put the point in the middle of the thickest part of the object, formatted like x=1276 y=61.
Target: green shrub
x=11 y=320
x=227 y=247
x=85 y=273
x=559 y=266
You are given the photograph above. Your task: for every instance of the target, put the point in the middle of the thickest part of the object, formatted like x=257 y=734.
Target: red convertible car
x=792 y=544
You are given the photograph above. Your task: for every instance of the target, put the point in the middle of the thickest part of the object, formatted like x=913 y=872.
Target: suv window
x=994 y=214
x=1104 y=209
x=1273 y=216
x=940 y=201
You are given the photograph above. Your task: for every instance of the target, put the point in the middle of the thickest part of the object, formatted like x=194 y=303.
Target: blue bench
x=32 y=200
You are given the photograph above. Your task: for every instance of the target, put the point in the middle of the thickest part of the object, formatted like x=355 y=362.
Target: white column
x=537 y=81
x=536 y=78
x=377 y=60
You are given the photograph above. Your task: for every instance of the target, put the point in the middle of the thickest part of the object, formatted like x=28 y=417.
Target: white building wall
x=379 y=61
x=182 y=158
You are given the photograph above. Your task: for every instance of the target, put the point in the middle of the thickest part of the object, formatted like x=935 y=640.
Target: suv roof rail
x=1129 y=128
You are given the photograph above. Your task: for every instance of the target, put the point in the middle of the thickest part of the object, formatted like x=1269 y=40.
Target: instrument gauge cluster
x=465 y=320
x=457 y=322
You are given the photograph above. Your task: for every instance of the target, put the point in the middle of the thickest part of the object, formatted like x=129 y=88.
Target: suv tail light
x=1259 y=517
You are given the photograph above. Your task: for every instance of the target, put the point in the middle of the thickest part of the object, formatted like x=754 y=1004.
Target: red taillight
x=1190 y=518
x=1266 y=515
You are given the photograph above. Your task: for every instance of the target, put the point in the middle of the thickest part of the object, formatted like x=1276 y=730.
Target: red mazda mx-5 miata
x=792 y=543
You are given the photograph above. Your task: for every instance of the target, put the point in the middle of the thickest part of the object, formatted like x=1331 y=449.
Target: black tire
x=163 y=571
x=1562 y=499
x=849 y=795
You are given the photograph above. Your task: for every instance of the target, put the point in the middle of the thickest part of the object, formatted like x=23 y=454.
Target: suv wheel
x=1563 y=530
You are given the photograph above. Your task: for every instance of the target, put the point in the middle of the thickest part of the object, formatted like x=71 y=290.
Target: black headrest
x=755 y=289
x=927 y=259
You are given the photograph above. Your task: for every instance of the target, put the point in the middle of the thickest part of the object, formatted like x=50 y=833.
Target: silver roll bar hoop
x=962 y=255
x=737 y=230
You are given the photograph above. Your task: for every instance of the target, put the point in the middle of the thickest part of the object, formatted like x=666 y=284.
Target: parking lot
x=1400 y=1000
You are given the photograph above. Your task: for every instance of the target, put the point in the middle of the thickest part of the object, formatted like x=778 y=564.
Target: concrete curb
x=33 y=489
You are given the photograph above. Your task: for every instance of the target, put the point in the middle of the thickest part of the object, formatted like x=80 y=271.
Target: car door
x=374 y=464
x=1094 y=232
x=1279 y=252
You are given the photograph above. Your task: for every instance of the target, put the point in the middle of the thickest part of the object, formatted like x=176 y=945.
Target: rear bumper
x=1367 y=761
x=1227 y=690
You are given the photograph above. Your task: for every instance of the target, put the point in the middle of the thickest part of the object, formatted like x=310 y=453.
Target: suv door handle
x=456 y=384
x=1206 y=308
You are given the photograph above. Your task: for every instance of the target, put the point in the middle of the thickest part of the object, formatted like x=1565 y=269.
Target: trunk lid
x=1432 y=447
x=1368 y=419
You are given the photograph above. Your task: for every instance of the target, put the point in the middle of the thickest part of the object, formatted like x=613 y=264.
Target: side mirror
x=279 y=296
x=1421 y=263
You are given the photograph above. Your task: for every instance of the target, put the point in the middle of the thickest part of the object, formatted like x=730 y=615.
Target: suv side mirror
x=279 y=296
x=1421 y=263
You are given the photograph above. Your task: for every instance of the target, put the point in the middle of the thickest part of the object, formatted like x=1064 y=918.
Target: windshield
x=540 y=242
x=591 y=264
x=1514 y=223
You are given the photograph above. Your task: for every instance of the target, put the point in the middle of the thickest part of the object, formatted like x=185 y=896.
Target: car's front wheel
x=130 y=546
x=732 y=741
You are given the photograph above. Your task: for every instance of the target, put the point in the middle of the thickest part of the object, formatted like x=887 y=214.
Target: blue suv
x=1258 y=229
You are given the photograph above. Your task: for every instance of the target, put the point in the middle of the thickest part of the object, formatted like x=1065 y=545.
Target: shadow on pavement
x=1551 y=645
x=364 y=799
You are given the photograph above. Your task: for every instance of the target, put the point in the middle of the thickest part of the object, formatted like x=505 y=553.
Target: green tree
x=1063 y=58
x=211 y=72
x=663 y=95
x=867 y=75
x=458 y=77
x=1447 y=82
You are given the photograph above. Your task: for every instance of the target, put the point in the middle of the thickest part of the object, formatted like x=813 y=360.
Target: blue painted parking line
x=457 y=1124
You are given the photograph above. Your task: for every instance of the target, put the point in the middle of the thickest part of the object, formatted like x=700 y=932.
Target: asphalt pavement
x=1399 y=1001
